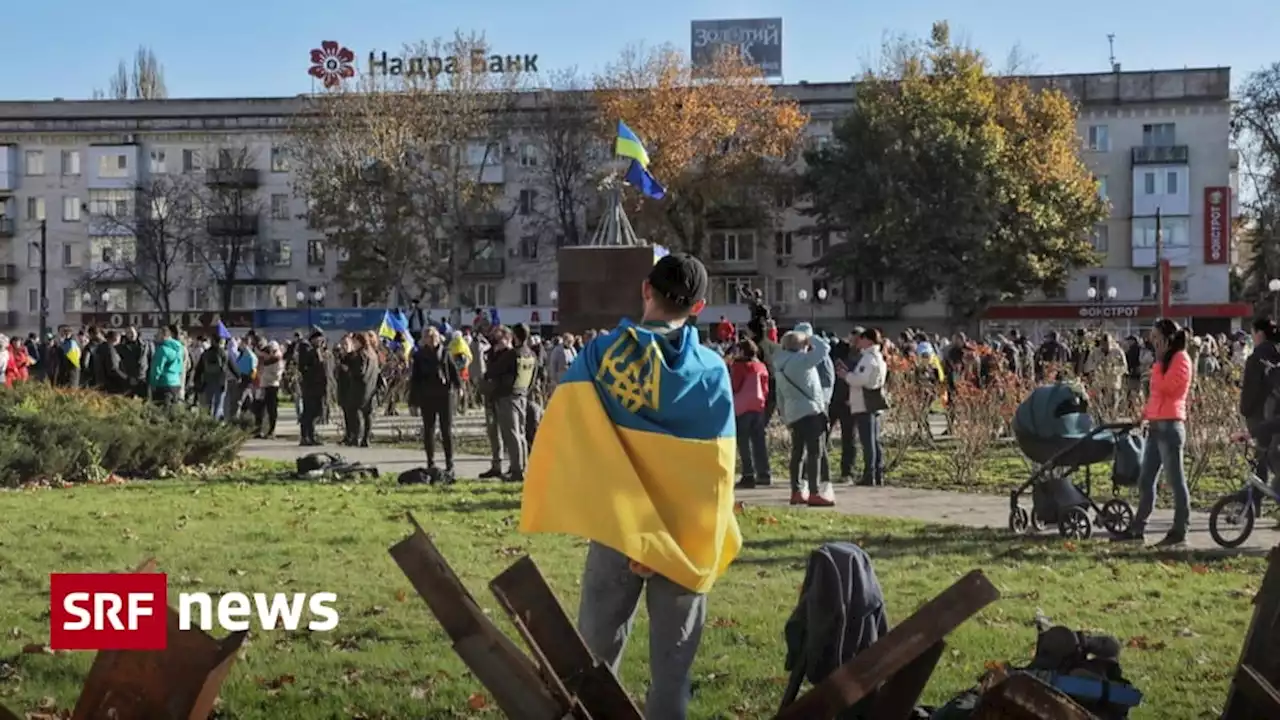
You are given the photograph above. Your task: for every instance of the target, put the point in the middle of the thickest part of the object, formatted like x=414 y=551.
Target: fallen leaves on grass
x=723 y=622
x=767 y=520
x=477 y=701
x=275 y=685
x=401 y=596
x=1140 y=642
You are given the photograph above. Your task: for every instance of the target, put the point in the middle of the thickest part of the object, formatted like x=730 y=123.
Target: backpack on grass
x=840 y=613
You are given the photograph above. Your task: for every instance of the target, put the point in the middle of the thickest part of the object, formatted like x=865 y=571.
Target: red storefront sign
x=1217 y=225
x=1115 y=311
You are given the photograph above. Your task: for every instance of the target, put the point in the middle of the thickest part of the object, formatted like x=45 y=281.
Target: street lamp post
x=818 y=297
x=96 y=299
x=1274 y=286
x=312 y=297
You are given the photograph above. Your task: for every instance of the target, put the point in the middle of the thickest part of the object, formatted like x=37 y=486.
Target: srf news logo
x=129 y=611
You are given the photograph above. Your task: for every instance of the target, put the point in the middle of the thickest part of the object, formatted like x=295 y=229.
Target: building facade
x=1157 y=140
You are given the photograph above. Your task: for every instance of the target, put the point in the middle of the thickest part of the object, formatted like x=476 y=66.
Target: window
x=1098 y=284
x=71 y=300
x=1171 y=183
x=113 y=250
x=784 y=290
x=529 y=248
x=1180 y=288
x=484 y=294
x=197 y=298
x=33 y=255
x=528 y=198
x=113 y=166
x=226 y=159
x=724 y=290
x=868 y=291
x=35 y=208
x=191 y=161
x=35 y=162
x=243 y=297
x=1148 y=286
x=1101 y=238
x=70 y=209
x=1102 y=187
x=480 y=153
x=820 y=245
x=1099 y=139
x=70 y=162
x=1158 y=134
x=528 y=156
x=529 y=293
x=783 y=242
x=736 y=246
x=158 y=163
x=1055 y=294
x=283 y=255
x=279 y=160
x=315 y=253
x=1174 y=229
x=1149 y=183
x=280 y=207
x=111 y=203
x=117 y=300
x=33 y=300
x=71 y=255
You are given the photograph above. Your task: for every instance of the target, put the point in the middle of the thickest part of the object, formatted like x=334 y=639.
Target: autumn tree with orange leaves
x=722 y=144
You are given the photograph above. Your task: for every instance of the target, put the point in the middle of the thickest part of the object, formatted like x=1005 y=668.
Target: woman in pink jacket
x=1165 y=416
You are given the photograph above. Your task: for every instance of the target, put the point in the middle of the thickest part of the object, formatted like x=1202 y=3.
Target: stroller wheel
x=1117 y=516
x=1074 y=524
x=1019 y=521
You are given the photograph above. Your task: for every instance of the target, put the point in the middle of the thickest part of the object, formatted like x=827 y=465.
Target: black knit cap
x=680 y=278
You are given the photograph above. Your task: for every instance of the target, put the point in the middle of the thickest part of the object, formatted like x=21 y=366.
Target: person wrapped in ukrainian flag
x=636 y=454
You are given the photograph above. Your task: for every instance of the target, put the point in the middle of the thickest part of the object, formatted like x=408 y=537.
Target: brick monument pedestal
x=600 y=285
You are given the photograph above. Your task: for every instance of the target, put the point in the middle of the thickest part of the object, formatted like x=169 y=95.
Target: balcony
x=487 y=219
x=232 y=225
x=485 y=267
x=8 y=274
x=854 y=310
x=7 y=229
x=9 y=319
x=231 y=177
x=1161 y=154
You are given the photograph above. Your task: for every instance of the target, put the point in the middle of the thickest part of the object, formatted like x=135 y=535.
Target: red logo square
x=108 y=611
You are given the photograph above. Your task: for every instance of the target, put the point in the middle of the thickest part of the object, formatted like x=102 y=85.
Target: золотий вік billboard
x=758 y=39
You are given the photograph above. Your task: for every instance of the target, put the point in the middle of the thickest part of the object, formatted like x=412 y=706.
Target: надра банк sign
x=759 y=40
x=431 y=66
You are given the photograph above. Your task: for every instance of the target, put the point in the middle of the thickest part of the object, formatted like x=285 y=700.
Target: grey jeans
x=610 y=597
x=511 y=416
x=494 y=434
x=1165 y=441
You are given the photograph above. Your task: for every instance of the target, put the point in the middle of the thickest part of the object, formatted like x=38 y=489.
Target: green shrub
x=82 y=436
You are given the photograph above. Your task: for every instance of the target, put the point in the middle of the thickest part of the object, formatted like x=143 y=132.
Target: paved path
x=952 y=508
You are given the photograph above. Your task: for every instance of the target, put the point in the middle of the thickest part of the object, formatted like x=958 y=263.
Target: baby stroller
x=1054 y=430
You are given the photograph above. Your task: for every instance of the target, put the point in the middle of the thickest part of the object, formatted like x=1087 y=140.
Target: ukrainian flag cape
x=636 y=452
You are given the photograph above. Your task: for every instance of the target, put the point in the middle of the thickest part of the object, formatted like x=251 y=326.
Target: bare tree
x=1256 y=123
x=566 y=159
x=229 y=246
x=402 y=172
x=143 y=79
x=144 y=244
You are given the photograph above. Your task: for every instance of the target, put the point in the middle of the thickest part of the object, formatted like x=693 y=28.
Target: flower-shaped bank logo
x=332 y=64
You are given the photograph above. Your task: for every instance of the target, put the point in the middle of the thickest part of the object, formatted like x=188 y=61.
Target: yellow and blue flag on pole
x=628 y=145
x=636 y=452
x=393 y=322
x=659 y=252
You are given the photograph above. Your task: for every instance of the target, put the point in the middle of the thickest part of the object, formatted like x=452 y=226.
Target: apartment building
x=1158 y=140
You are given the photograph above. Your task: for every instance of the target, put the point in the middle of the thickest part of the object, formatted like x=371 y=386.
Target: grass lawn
x=1183 y=619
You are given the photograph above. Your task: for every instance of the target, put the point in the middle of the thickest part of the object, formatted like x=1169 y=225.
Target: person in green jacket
x=167 y=367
